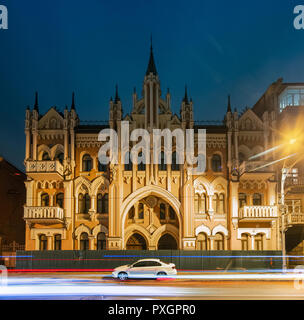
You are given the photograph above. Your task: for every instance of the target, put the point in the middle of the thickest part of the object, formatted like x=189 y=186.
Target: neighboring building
x=12 y=200
x=73 y=202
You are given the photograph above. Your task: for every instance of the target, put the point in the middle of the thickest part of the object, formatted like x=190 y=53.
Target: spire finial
x=151 y=66
x=36 y=107
x=186 y=95
x=116 y=94
x=151 y=46
x=73 y=101
x=229 y=104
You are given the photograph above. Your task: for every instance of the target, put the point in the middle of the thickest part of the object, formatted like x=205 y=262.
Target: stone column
x=91 y=242
x=211 y=239
x=252 y=242
x=49 y=242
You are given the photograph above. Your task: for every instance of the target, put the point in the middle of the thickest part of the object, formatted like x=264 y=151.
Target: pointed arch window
x=60 y=157
x=216 y=163
x=84 y=203
x=175 y=165
x=141 y=166
x=128 y=163
x=46 y=156
x=221 y=203
x=87 y=163
x=101 y=241
x=84 y=241
x=60 y=199
x=45 y=200
x=162 y=166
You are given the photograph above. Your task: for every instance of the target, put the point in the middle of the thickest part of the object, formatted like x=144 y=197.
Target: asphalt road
x=59 y=286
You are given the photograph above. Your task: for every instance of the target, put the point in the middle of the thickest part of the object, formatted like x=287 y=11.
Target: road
x=92 y=286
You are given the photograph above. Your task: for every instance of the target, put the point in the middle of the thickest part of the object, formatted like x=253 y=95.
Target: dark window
x=87 y=163
x=99 y=203
x=84 y=241
x=42 y=242
x=60 y=199
x=132 y=213
x=171 y=213
x=46 y=156
x=175 y=165
x=162 y=211
x=141 y=211
x=60 y=157
x=57 y=242
x=242 y=200
x=102 y=167
x=84 y=203
x=105 y=203
x=257 y=199
x=45 y=200
x=128 y=162
x=140 y=264
x=141 y=166
x=162 y=165
x=152 y=264
x=216 y=163
x=101 y=241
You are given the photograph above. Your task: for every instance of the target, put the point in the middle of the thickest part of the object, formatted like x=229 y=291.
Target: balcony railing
x=44 y=166
x=258 y=212
x=294 y=219
x=254 y=166
x=294 y=181
x=44 y=214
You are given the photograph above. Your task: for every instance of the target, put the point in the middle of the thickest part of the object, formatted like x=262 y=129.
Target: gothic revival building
x=74 y=202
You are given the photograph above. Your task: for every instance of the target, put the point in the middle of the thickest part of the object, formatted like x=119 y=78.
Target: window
x=291 y=175
x=139 y=264
x=196 y=203
x=87 y=163
x=128 y=162
x=132 y=213
x=219 y=241
x=244 y=241
x=101 y=241
x=162 y=211
x=257 y=199
x=57 y=242
x=221 y=200
x=171 y=213
x=242 y=200
x=102 y=167
x=258 y=242
x=293 y=205
x=60 y=157
x=141 y=211
x=102 y=203
x=45 y=200
x=84 y=203
x=216 y=163
x=162 y=166
x=141 y=166
x=60 y=199
x=175 y=165
x=215 y=202
x=202 y=241
x=46 y=156
x=152 y=264
x=291 y=97
x=84 y=241
x=42 y=242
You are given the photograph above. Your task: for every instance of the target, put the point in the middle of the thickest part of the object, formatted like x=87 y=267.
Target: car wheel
x=122 y=276
x=162 y=274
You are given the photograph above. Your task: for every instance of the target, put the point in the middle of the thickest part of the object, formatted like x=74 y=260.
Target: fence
x=184 y=260
x=8 y=254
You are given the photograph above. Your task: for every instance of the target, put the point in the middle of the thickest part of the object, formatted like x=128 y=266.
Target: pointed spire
x=36 y=107
x=151 y=64
x=229 y=104
x=73 y=101
x=116 y=94
x=186 y=95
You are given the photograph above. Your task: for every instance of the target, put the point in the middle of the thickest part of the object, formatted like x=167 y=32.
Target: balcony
x=252 y=167
x=292 y=219
x=44 y=169
x=258 y=213
x=44 y=215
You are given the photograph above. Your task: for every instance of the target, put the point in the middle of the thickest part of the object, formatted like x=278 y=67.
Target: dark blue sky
x=216 y=47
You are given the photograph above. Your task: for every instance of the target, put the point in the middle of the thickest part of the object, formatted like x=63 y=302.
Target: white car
x=145 y=268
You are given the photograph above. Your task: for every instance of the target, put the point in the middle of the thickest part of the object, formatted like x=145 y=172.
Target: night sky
x=215 y=47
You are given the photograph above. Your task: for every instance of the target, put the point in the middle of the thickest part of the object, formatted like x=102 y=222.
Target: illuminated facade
x=73 y=202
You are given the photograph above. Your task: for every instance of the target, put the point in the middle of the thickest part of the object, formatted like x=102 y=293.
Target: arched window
x=57 y=242
x=257 y=199
x=201 y=243
x=175 y=165
x=196 y=203
x=245 y=241
x=87 y=163
x=45 y=200
x=60 y=199
x=60 y=157
x=141 y=166
x=171 y=213
x=46 y=156
x=101 y=241
x=242 y=200
x=216 y=163
x=42 y=242
x=162 y=211
x=219 y=242
x=128 y=162
x=258 y=242
x=221 y=200
x=203 y=203
x=162 y=166
x=141 y=211
x=84 y=241
x=84 y=203
x=215 y=202
x=132 y=213
x=99 y=203
x=105 y=203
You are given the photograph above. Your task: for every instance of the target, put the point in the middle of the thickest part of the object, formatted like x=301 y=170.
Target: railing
x=294 y=218
x=43 y=213
x=258 y=212
x=294 y=181
x=48 y=166
x=254 y=166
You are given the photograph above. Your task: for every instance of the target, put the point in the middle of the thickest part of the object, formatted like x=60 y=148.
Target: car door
x=151 y=268
x=137 y=270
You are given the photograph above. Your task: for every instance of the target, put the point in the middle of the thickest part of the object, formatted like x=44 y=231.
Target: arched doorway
x=136 y=242
x=167 y=242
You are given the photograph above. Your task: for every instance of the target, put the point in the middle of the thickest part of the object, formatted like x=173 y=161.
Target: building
x=12 y=199
x=75 y=203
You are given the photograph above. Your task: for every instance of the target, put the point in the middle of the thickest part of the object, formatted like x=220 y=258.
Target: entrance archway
x=167 y=242
x=136 y=242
